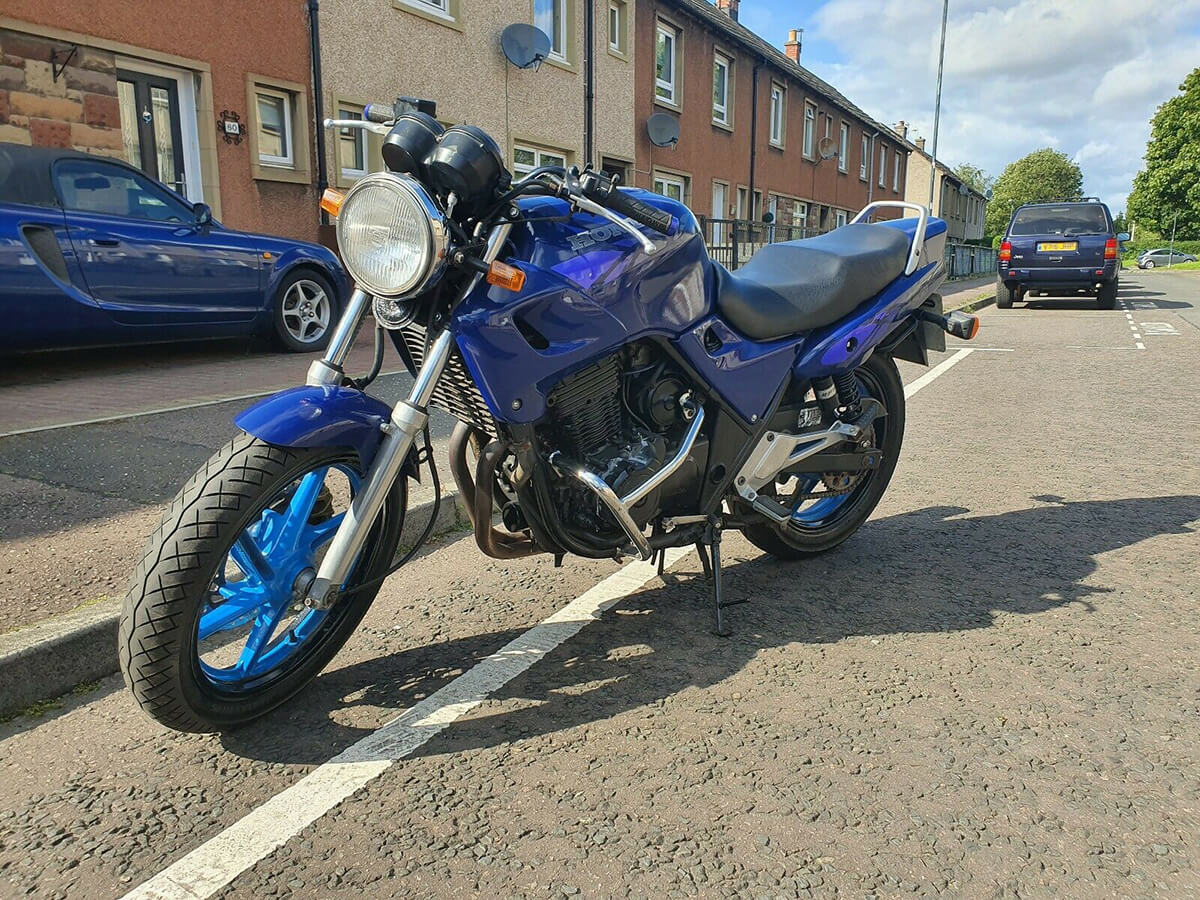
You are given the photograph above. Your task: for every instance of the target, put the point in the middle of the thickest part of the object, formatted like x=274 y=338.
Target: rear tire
x=1107 y=298
x=304 y=311
x=788 y=542
x=1004 y=296
x=158 y=637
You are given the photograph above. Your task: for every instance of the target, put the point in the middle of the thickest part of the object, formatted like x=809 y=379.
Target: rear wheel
x=304 y=311
x=213 y=632
x=1004 y=296
x=841 y=505
x=1148 y=264
x=1107 y=296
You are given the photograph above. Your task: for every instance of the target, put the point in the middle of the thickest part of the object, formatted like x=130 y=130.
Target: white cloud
x=1082 y=76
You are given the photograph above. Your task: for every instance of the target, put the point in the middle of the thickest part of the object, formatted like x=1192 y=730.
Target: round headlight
x=392 y=236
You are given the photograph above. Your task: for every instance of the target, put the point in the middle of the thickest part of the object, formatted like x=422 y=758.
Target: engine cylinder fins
x=586 y=405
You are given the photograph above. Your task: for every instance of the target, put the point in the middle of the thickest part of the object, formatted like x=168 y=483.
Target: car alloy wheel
x=306 y=311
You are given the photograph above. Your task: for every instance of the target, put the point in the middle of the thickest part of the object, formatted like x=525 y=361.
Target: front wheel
x=841 y=504
x=304 y=311
x=213 y=632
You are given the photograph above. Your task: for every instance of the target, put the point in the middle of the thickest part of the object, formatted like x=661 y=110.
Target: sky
x=1081 y=76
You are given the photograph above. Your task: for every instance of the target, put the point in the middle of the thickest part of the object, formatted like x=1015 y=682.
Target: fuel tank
x=589 y=288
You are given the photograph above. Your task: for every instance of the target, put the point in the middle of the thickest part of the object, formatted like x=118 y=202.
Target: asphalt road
x=991 y=691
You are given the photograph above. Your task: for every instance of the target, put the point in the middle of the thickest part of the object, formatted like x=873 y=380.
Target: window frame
x=561 y=57
x=296 y=97
x=840 y=218
x=442 y=12
x=863 y=170
x=620 y=48
x=289 y=137
x=344 y=111
x=844 y=147
x=777 y=91
x=801 y=207
x=726 y=118
x=883 y=165
x=896 y=172
x=664 y=29
x=539 y=151
x=149 y=185
x=809 y=143
x=658 y=175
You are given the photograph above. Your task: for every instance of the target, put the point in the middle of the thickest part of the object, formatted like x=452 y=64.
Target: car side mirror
x=202 y=215
x=1123 y=236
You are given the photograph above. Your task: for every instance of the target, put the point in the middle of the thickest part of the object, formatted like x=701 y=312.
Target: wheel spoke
x=240 y=602
x=295 y=518
x=260 y=636
x=323 y=532
x=251 y=559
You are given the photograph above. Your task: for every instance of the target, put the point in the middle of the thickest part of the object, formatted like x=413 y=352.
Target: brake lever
x=621 y=222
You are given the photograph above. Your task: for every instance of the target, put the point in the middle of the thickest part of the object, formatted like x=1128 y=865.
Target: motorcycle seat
x=796 y=286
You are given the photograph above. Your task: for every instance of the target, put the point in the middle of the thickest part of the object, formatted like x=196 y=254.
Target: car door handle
x=105 y=241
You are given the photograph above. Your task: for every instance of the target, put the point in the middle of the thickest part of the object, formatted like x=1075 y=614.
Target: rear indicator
x=1006 y=251
x=1110 y=248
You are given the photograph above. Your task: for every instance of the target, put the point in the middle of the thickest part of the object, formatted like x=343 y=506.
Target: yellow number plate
x=1057 y=247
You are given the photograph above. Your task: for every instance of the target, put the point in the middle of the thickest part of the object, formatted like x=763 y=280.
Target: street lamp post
x=1171 y=252
x=937 y=108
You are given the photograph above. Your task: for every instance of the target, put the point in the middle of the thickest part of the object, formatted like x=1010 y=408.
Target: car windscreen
x=1082 y=218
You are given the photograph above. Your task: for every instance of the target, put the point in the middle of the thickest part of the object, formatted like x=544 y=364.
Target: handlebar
x=381 y=113
x=601 y=189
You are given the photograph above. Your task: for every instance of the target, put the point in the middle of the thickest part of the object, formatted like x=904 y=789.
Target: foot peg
x=958 y=324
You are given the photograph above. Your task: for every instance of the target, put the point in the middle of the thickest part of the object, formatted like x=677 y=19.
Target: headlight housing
x=392 y=236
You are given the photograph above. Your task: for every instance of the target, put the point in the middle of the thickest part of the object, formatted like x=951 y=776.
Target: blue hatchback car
x=95 y=253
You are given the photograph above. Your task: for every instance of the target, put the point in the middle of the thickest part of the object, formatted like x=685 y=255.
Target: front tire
x=816 y=530
x=1004 y=295
x=269 y=511
x=304 y=311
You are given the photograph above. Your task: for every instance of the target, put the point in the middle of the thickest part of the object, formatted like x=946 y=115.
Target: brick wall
x=79 y=109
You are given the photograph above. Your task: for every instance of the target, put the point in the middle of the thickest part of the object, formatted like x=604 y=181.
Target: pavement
x=990 y=691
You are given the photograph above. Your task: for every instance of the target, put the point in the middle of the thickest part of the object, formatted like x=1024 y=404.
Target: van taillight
x=1110 y=248
x=1006 y=251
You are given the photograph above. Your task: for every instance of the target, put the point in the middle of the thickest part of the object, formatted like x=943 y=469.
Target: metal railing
x=732 y=242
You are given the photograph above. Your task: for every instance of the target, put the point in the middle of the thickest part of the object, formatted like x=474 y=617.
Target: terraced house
x=751 y=124
x=213 y=98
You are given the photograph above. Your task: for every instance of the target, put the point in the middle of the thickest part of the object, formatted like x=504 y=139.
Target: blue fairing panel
x=318 y=417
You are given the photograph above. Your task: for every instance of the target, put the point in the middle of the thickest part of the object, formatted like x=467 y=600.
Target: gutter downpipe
x=753 y=133
x=314 y=33
x=589 y=79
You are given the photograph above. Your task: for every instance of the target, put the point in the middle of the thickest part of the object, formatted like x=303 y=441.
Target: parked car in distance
x=1060 y=248
x=1163 y=256
x=95 y=253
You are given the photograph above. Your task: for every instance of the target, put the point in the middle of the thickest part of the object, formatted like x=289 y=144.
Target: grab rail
x=918 y=244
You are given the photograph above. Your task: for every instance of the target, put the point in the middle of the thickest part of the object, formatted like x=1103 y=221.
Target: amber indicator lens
x=331 y=201
x=505 y=276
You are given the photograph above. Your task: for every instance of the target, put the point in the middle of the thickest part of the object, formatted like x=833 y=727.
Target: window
x=551 y=17
x=720 y=112
x=617 y=17
x=844 y=148
x=840 y=218
x=106 y=189
x=799 y=214
x=526 y=159
x=673 y=186
x=665 y=67
x=274 y=128
x=896 y=173
x=742 y=197
x=882 y=166
x=720 y=210
x=862 y=166
x=777 y=115
x=444 y=12
x=756 y=208
x=810 y=128
x=352 y=147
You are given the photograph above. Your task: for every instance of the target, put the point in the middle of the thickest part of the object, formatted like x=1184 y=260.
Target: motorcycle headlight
x=392 y=236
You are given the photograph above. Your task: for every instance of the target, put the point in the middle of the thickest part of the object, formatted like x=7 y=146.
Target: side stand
x=709 y=549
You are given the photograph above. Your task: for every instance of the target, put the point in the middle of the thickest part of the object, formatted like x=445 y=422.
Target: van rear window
x=1081 y=218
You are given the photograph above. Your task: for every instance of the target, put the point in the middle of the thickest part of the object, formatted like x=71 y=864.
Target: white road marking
x=222 y=858
x=1136 y=336
x=1158 y=328
x=219 y=860
x=936 y=372
x=1141 y=346
x=994 y=349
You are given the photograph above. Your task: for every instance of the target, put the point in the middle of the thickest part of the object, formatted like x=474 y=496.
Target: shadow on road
x=932 y=570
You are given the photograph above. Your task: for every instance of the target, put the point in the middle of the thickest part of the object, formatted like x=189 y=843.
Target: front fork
x=408 y=418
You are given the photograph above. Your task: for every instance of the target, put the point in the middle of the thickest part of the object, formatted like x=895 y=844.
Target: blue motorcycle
x=617 y=393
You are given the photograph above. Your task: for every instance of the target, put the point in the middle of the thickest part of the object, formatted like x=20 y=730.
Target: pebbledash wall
x=184 y=70
x=449 y=51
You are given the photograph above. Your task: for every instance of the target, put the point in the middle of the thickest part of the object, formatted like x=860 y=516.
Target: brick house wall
x=709 y=152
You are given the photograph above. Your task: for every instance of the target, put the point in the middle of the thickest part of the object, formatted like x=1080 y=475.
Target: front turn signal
x=331 y=201
x=508 y=277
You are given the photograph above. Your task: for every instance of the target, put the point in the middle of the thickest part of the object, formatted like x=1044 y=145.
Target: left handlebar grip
x=382 y=113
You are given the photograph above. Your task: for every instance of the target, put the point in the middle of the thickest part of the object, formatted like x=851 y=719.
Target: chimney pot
x=920 y=142
x=901 y=128
x=729 y=7
x=794 y=43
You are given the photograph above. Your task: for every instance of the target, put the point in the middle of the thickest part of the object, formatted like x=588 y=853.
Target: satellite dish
x=827 y=148
x=987 y=195
x=964 y=190
x=663 y=130
x=524 y=46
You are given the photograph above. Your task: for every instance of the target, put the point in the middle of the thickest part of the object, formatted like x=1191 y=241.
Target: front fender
x=322 y=416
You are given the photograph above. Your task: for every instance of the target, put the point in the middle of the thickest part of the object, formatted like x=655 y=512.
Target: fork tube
x=328 y=369
x=408 y=418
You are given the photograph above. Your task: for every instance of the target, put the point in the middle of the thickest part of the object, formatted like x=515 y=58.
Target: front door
x=150 y=126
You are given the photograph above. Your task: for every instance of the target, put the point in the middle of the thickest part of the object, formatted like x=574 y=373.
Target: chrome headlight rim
x=436 y=233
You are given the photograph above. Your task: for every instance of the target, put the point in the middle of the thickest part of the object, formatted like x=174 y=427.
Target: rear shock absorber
x=847 y=394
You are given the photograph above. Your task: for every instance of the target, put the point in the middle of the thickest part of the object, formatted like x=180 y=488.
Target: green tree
x=1120 y=222
x=1170 y=183
x=975 y=177
x=1039 y=177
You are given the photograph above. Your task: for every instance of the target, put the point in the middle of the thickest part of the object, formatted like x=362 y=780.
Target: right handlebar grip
x=642 y=213
x=379 y=112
